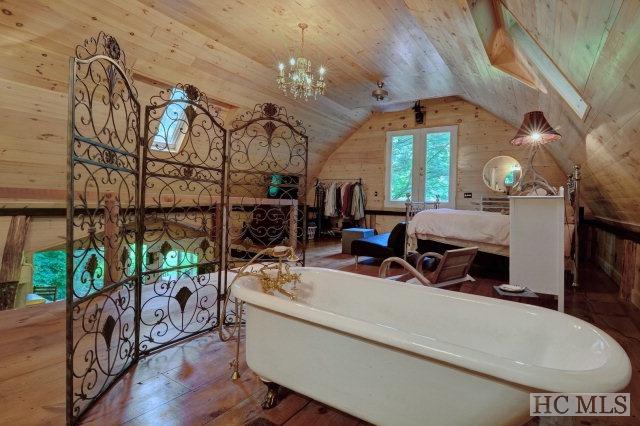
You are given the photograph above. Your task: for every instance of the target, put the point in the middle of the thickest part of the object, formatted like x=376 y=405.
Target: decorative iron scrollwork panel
x=183 y=181
x=104 y=344
x=267 y=181
x=103 y=206
x=106 y=110
x=267 y=140
x=177 y=304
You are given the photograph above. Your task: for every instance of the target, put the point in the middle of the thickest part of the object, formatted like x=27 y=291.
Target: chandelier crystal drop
x=296 y=79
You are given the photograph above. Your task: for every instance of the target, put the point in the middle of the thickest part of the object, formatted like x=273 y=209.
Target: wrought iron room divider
x=267 y=149
x=182 y=191
x=158 y=208
x=103 y=227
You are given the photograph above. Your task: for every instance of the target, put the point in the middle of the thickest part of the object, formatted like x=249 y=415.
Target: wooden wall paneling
x=617 y=254
x=5 y=222
x=11 y=263
x=45 y=234
x=635 y=291
x=111 y=239
x=570 y=32
x=629 y=269
x=481 y=136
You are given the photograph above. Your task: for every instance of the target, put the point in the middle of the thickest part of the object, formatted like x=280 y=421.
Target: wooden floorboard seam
x=297 y=412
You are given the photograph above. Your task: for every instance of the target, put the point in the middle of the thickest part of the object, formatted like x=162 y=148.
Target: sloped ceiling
x=595 y=44
x=420 y=48
x=229 y=49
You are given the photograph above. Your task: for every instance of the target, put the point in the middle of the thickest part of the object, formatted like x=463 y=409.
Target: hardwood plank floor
x=189 y=384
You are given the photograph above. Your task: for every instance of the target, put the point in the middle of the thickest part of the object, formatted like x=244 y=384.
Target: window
x=50 y=269
x=173 y=125
x=421 y=166
x=545 y=64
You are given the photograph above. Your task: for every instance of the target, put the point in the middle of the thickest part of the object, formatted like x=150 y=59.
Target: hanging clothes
x=319 y=205
x=358 y=202
x=330 y=202
x=346 y=199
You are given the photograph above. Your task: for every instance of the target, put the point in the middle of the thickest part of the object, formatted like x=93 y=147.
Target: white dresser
x=536 y=247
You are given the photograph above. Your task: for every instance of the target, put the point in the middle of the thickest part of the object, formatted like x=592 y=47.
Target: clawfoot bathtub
x=394 y=353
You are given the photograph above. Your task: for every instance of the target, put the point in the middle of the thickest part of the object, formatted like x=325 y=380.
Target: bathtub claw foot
x=271 y=398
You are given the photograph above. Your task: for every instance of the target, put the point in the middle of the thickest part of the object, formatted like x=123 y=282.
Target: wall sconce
x=419 y=112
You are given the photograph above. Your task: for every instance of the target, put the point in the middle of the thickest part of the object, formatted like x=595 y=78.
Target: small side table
x=351 y=234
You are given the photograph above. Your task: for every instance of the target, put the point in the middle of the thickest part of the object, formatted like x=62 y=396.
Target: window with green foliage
x=437 y=166
x=50 y=268
x=178 y=263
x=421 y=166
x=401 y=175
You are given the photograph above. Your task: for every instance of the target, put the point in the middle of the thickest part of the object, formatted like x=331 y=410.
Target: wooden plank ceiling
x=228 y=49
x=595 y=44
x=421 y=49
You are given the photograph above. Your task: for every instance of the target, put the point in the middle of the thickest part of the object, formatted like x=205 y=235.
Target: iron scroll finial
x=192 y=92
x=269 y=109
x=112 y=47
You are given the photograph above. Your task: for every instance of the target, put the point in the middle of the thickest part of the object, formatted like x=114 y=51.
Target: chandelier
x=297 y=79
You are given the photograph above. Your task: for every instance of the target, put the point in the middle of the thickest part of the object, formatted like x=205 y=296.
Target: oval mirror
x=501 y=173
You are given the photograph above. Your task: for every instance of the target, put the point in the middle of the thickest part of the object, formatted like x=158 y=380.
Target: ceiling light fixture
x=380 y=93
x=296 y=78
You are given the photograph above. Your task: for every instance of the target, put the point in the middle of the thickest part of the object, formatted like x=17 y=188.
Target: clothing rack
x=318 y=180
x=322 y=221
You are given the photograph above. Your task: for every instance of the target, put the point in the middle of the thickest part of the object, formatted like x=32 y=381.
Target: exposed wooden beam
x=13 y=249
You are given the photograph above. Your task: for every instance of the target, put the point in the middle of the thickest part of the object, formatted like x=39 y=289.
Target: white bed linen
x=471 y=225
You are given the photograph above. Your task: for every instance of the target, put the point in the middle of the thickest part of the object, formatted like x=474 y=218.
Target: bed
x=489 y=231
x=488 y=228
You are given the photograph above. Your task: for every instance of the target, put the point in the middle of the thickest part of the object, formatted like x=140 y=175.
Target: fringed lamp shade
x=535 y=129
x=534 y=132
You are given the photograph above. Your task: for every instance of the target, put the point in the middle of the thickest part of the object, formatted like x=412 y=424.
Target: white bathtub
x=393 y=353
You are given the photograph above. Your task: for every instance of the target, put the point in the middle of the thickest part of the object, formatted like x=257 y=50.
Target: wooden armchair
x=451 y=268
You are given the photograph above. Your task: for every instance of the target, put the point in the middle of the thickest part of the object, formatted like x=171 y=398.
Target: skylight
x=544 y=63
x=173 y=125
